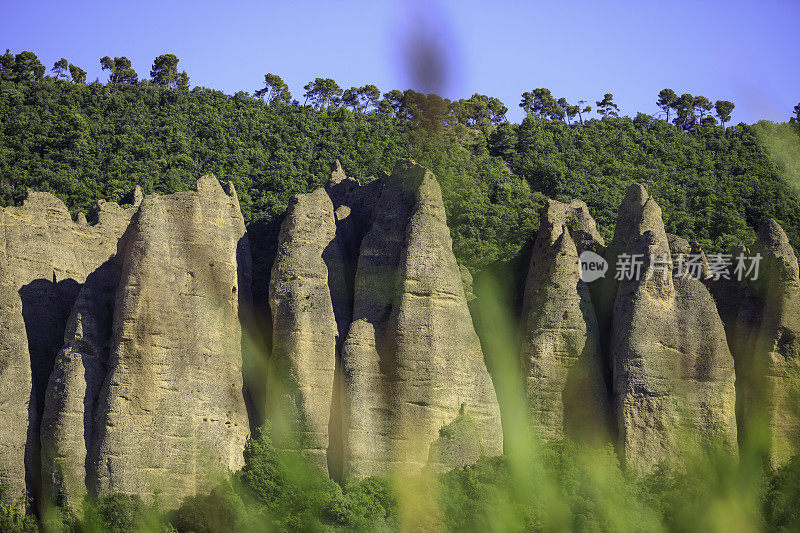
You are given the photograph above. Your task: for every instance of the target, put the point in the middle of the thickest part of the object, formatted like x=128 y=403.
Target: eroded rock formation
x=121 y=340
x=307 y=277
x=44 y=259
x=410 y=358
x=673 y=371
x=121 y=344
x=15 y=384
x=171 y=412
x=560 y=352
x=763 y=316
x=69 y=425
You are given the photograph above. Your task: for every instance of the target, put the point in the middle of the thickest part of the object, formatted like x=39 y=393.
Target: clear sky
x=746 y=52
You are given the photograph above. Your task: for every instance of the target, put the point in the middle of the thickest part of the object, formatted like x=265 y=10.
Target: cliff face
x=15 y=384
x=171 y=411
x=560 y=352
x=121 y=342
x=410 y=358
x=44 y=259
x=673 y=371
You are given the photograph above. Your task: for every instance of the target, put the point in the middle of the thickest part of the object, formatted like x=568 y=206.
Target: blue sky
x=746 y=52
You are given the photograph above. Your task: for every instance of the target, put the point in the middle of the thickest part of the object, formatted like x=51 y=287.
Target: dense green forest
x=98 y=140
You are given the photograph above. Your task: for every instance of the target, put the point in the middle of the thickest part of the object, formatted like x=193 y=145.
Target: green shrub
x=11 y=519
x=294 y=494
x=781 y=499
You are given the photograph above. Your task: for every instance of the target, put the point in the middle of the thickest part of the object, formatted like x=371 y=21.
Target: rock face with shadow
x=69 y=423
x=170 y=413
x=45 y=259
x=560 y=342
x=121 y=345
x=410 y=358
x=673 y=371
x=763 y=315
x=308 y=276
x=15 y=383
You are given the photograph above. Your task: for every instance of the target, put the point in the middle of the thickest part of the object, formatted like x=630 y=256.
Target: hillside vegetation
x=84 y=142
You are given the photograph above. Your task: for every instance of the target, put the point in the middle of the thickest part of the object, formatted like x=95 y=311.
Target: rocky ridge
x=121 y=341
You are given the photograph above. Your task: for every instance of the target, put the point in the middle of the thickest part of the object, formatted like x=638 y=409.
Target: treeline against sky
x=85 y=142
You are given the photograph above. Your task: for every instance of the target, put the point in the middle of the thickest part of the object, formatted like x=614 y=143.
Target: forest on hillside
x=87 y=141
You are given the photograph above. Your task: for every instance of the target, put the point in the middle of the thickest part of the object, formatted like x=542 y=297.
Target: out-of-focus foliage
x=576 y=488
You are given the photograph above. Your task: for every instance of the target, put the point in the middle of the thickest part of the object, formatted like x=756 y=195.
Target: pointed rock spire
x=138 y=196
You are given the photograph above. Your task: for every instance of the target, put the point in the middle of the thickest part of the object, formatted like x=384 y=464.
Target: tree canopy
x=89 y=141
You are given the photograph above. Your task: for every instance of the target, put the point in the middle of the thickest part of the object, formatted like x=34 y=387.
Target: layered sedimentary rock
x=673 y=372
x=560 y=351
x=764 y=340
x=171 y=412
x=45 y=258
x=411 y=357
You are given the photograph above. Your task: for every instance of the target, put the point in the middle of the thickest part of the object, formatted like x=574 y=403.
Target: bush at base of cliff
x=781 y=498
x=11 y=520
x=293 y=493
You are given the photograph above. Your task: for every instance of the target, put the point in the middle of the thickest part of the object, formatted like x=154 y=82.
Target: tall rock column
x=171 y=414
x=68 y=424
x=308 y=279
x=766 y=345
x=560 y=353
x=411 y=358
x=15 y=381
x=673 y=372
